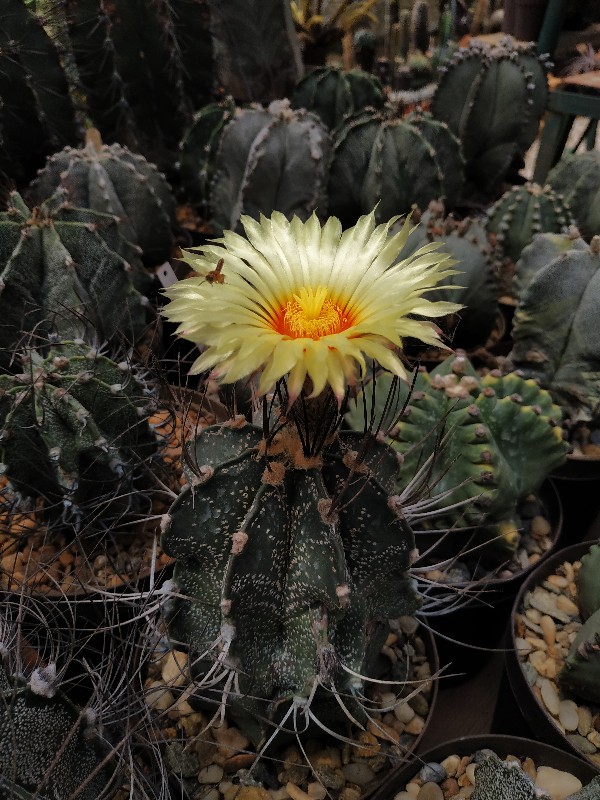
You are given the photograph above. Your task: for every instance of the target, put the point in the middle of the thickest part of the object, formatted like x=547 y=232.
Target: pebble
x=415 y=726
x=540 y=526
x=360 y=774
x=548 y=627
x=175 y=668
x=568 y=716
x=211 y=774
x=403 y=796
x=585 y=720
x=420 y=704
x=295 y=792
x=253 y=793
x=404 y=712
x=432 y=773
x=556 y=783
x=550 y=697
x=316 y=791
x=566 y=604
x=581 y=743
x=430 y=791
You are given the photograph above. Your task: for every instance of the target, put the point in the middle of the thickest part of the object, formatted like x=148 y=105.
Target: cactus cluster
x=576 y=177
x=390 y=163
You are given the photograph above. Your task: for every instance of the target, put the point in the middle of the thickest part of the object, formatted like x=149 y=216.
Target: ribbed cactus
x=498 y=438
x=420 y=25
x=334 y=94
x=577 y=178
x=48 y=749
x=492 y=98
x=36 y=112
x=580 y=673
x=364 y=43
x=393 y=163
x=544 y=248
x=555 y=335
x=270 y=160
x=67 y=270
x=496 y=779
x=112 y=180
x=290 y=590
x=588 y=585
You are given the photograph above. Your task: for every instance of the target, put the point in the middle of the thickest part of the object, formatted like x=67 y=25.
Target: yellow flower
x=296 y=299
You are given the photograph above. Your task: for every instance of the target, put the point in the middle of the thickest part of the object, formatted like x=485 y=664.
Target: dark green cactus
x=492 y=98
x=580 y=673
x=198 y=149
x=555 y=335
x=420 y=26
x=255 y=542
x=364 y=43
x=393 y=163
x=67 y=270
x=74 y=429
x=112 y=180
x=270 y=160
x=588 y=585
x=544 y=248
x=503 y=780
x=36 y=112
x=498 y=438
x=48 y=749
x=576 y=177
x=333 y=94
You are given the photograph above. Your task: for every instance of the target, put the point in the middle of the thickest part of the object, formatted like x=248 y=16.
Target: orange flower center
x=311 y=314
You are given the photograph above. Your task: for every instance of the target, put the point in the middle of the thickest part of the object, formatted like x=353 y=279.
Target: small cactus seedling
x=258 y=145
x=580 y=673
x=588 y=585
x=112 y=180
x=576 y=178
x=333 y=94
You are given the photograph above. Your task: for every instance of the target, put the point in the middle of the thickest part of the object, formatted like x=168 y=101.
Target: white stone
x=404 y=712
x=557 y=784
x=211 y=774
x=568 y=716
x=550 y=696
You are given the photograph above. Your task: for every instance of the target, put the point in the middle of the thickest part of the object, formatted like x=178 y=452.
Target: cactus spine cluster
x=576 y=177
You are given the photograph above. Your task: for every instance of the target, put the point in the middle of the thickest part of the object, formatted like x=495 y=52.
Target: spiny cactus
x=364 y=43
x=576 y=177
x=589 y=792
x=498 y=438
x=492 y=98
x=420 y=25
x=580 y=673
x=496 y=779
x=544 y=248
x=68 y=270
x=588 y=586
x=36 y=112
x=74 y=429
x=112 y=180
x=393 y=163
x=333 y=94
x=270 y=160
x=555 y=336
x=48 y=747
x=257 y=538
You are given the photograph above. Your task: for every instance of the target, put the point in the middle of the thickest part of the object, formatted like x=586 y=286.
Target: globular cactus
x=36 y=112
x=67 y=270
x=390 y=163
x=74 y=430
x=364 y=43
x=580 y=673
x=496 y=779
x=112 y=180
x=588 y=585
x=289 y=589
x=492 y=98
x=588 y=792
x=49 y=748
x=576 y=177
x=420 y=26
x=496 y=439
x=333 y=94
x=416 y=73
x=555 y=337
x=270 y=160
x=544 y=248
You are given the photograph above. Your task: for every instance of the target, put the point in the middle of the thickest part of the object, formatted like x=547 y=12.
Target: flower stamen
x=311 y=314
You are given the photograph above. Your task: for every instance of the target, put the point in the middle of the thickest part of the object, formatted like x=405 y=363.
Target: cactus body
x=420 y=25
x=112 y=180
x=544 y=248
x=273 y=160
x=67 y=270
x=254 y=544
x=71 y=426
x=333 y=94
x=589 y=792
x=503 y=780
x=364 y=42
x=588 y=585
x=392 y=164
x=581 y=671
x=577 y=178
x=556 y=339
x=492 y=99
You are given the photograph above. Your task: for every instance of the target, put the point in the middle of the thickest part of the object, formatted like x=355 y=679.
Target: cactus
x=588 y=586
x=492 y=99
x=503 y=780
x=420 y=26
x=589 y=792
x=65 y=269
x=36 y=112
x=112 y=180
x=580 y=673
x=576 y=177
x=73 y=428
x=544 y=248
x=555 y=337
x=392 y=164
x=47 y=746
x=498 y=439
x=275 y=159
x=334 y=94
x=255 y=541
x=364 y=42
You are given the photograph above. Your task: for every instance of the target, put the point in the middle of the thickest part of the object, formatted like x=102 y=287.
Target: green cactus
x=588 y=586
x=255 y=540
x=364 y=43
x=576 y=178
x=36 y=112
x=112 y=180
x=404 y=34
x=199 y=147
x=496 y=438
x=67 y=270
x=503 y=780
x=333 y=94
x=48 y=749
x=420 y=26
x=393 y=163
x=544 y=248
x=555 y=337
x=270 y=160
x=492 y=99
x=589 y=792
x=74 y=430
x=580 y=673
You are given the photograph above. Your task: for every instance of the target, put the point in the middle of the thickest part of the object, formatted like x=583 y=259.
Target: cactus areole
x=292 y=549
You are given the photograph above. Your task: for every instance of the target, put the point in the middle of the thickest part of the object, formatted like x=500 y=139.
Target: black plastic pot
x=538 y=718
x=541 y=753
